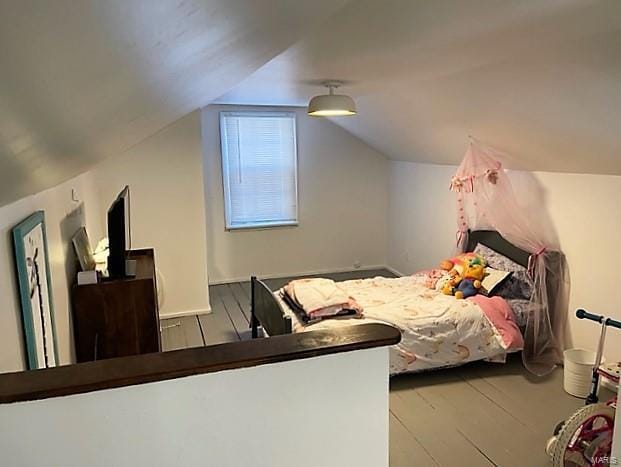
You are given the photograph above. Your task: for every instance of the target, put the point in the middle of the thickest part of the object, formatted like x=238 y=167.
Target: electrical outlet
x=356 y=264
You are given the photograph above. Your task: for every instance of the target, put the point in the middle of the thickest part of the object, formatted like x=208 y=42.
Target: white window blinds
x=259 y=169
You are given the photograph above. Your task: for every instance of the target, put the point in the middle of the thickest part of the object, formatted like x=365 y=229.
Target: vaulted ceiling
x=538 y=79
x=84 y=80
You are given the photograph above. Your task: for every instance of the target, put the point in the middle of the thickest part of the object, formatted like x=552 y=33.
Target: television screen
x=119 y=236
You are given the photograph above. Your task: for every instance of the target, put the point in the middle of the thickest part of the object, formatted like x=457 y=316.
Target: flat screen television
x=119 y=235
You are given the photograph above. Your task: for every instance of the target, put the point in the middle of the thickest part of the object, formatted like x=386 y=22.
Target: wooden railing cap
x=140 y=369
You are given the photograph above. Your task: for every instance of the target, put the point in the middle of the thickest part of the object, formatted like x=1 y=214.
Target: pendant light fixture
x=331 y=105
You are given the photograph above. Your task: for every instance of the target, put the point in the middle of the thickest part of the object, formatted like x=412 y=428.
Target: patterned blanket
x=437 y=330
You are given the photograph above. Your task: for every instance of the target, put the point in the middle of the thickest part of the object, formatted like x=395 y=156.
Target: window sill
x=280 y=225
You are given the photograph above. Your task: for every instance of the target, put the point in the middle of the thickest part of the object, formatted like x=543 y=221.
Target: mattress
x=437 y=330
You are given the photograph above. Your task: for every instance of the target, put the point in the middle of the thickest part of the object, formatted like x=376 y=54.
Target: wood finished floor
x=481 y=414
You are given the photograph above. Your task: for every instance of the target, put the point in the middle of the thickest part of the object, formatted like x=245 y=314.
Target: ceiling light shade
x=331 y=105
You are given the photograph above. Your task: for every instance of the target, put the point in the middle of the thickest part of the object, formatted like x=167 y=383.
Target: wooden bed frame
x=266 y=311
x=496 y=242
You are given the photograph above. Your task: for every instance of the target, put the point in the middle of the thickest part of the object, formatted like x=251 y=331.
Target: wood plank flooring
x=230 y=316
x=481 y=414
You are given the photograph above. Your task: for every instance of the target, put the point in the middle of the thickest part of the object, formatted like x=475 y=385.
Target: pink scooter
x=585 y=438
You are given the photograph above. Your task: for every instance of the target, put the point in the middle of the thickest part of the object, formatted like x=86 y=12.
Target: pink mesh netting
x=486 y=201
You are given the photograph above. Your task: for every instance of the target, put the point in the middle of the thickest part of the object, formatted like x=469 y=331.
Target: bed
x=437 y=330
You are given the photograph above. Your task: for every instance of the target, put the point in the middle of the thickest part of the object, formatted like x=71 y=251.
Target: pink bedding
x=499 y=313
x=437 y=330
x=320 y=298
x=496 y=309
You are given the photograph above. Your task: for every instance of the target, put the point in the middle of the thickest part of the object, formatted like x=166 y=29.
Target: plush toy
x=447 y=265
x=465 y=273
x=450 y=284
x=471 y=279
x=459 y=262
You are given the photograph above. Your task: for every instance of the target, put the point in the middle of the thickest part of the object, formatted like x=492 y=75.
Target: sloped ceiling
x=84 y=80
x=540 y=80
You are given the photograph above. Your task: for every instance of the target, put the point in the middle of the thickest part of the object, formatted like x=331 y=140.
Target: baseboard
x=394 y=271
x=298 y=274
x=181 y=314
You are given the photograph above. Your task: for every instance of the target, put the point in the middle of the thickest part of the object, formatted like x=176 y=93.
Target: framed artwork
x=83 y=250
x=33 y=274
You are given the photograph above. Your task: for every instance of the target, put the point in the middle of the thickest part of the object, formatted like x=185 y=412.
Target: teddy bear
x=451 y=283
x=447 y=265
x=459 y=262
x=470 y=282
x=464 y=275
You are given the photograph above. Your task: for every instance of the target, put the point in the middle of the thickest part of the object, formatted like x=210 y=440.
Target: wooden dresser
x=118 y=317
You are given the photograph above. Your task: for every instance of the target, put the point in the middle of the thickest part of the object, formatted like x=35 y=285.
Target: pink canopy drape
x=486 y=200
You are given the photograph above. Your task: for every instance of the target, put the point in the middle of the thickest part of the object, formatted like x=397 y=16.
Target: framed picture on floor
x=33 y=276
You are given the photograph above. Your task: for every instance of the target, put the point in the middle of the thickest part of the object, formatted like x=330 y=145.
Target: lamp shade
x=331 y=105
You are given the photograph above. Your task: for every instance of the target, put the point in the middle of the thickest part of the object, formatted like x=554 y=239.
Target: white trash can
x=578 y=370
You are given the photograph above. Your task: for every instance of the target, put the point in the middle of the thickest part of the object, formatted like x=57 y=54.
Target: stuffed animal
x=447 y=265
x=472 y=276
x=459 y=262
x=465 y=273
x=452 y=267
x=450 y=284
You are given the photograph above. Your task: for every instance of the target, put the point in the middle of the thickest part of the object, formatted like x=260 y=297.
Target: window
x=259 y=169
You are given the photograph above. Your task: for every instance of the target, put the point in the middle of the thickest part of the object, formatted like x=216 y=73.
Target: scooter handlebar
x=583 y=314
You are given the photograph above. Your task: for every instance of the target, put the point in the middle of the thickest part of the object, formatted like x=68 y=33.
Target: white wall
x=165 y=176
x=63 y=217
x=421 y=216
x=583 y=209
x=329 y=411
x=342 y=186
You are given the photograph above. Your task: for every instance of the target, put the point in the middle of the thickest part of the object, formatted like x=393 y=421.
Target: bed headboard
x=496 y=242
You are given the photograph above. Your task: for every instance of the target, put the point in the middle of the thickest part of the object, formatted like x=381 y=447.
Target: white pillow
x=493 y=279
